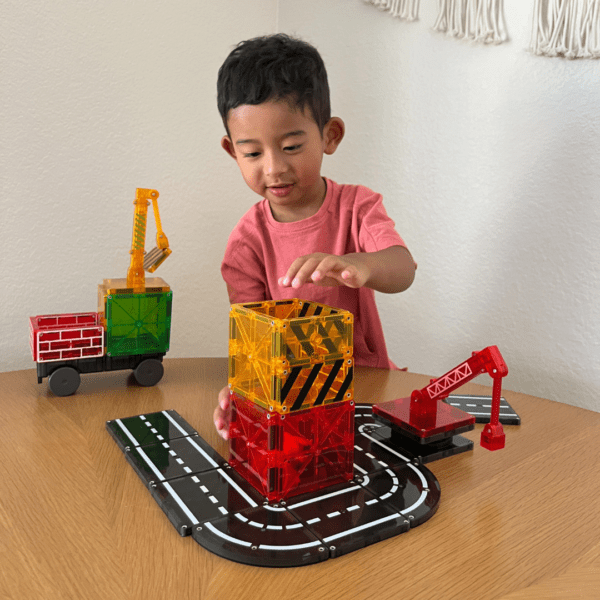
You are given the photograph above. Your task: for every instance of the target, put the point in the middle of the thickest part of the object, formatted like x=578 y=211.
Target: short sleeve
x=243 y=274
x=377 y=230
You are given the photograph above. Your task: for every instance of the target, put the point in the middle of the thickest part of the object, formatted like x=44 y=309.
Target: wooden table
x=76 y=522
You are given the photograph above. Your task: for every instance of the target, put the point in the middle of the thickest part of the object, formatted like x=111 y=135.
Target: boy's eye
x=251 y=154
x=293 y=148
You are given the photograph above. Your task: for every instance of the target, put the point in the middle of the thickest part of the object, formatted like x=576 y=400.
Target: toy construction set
x=312 y=473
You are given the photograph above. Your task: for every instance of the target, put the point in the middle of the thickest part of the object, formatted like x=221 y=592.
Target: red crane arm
x=489 y=359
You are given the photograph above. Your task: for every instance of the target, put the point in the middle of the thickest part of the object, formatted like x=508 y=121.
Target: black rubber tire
x=64 y=381
x=149 y=372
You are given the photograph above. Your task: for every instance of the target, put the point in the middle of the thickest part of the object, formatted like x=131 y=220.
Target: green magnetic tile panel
x=138 y=323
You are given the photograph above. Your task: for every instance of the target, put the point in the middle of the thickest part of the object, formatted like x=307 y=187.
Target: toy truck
x=130 y=330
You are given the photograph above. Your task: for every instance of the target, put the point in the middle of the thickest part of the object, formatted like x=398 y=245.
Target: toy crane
x=141 y=261
x=130 y=330
x=423 y=419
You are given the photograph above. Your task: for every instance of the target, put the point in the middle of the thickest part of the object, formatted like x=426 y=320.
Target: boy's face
x=279 y=150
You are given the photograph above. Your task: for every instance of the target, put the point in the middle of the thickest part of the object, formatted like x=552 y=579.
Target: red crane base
x=441 y=422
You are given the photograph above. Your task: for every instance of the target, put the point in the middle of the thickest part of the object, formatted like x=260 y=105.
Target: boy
x=309 y=237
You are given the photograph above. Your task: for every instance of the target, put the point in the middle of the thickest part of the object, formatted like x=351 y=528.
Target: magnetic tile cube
x=290 y=355
x=285 y=455
x=136 y=323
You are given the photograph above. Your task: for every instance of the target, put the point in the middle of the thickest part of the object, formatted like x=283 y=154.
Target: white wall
x=488 y=158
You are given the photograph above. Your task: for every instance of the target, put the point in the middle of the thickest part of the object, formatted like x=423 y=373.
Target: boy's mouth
x=281 y=190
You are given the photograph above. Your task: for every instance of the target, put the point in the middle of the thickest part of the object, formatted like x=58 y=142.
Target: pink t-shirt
x=351 y=219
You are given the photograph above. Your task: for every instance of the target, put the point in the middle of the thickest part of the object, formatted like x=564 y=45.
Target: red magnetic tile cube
x=285 y=455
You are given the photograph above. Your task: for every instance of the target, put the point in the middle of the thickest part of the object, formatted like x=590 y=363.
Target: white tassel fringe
x=406 y=10
x=569 y=28
x=477 y=20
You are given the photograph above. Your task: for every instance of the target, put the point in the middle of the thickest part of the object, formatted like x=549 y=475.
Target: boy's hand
x=390 y=271
x=326 y=270
x=222 y=414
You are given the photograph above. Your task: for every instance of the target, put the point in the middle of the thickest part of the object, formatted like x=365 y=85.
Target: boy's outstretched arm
x=390 y=271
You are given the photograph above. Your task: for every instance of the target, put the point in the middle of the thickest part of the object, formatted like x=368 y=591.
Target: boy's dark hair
x=274 y=67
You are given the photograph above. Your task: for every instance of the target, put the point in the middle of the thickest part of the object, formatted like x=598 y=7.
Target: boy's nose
x=274 y=164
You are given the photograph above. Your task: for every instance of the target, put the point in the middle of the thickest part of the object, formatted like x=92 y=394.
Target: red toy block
x=65 y=337
x=281 y=455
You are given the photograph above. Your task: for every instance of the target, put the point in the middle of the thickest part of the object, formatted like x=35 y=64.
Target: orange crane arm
x=156 y=257
x=136 y=278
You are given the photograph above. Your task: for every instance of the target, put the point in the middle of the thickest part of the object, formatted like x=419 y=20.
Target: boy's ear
x=333 y=133
x=227 y=145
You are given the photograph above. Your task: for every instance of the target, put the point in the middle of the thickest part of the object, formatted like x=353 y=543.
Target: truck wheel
x=149 y=372
x=64 y=381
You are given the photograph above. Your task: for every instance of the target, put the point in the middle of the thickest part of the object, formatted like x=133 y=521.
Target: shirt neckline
x=304 y=223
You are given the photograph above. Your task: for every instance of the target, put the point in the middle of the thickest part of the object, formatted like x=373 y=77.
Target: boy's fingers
x=331 y=264
x=330 y=270
x=222 y=426
x=352 y=277
x=223 y=399
x=339 y=272
x=222 y=412
x=303 y=273
x=349 y=273
x=321 y=269
x=300 y=270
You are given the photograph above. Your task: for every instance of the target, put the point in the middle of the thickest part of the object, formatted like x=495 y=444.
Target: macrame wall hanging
x=406 y=10
x=476 y=20
x=569 y=28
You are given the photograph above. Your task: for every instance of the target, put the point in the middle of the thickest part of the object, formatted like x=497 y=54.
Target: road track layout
x=481 y=406
x=203 y=497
